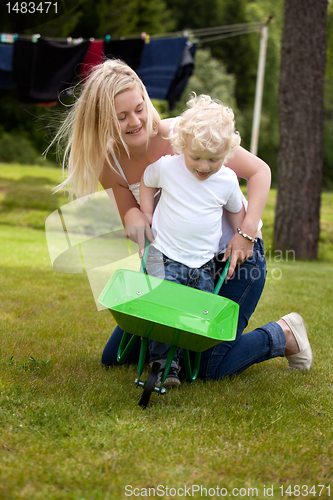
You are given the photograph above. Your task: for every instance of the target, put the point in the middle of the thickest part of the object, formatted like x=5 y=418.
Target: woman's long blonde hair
x=90 y=130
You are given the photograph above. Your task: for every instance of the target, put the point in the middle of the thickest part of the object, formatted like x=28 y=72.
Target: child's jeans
x=160 y=266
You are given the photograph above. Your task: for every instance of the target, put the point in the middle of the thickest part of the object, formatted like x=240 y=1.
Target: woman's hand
x=240 y=249
x=137 y=228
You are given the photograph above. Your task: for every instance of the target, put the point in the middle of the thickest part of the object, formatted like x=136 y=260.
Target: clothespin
x=69 y=39
x=34 y=38
x=7 y=38
x=107 y=38
x=145 y=37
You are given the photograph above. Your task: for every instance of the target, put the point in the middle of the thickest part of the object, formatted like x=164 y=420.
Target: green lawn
x=71 y=430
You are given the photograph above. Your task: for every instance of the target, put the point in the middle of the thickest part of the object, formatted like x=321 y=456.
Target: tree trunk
x=301 y=115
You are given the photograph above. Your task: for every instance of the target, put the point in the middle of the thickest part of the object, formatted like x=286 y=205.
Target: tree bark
x=301 y=117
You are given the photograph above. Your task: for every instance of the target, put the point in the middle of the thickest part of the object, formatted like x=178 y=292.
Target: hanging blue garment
x=6 y=65
x=161 y=59
x=184 y=72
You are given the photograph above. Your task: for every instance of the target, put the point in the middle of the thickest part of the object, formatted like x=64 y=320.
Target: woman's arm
x=136 y=224
x=258 y=174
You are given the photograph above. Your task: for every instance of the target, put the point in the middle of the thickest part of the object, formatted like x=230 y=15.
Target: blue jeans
x=227 y=358
x=202 y=278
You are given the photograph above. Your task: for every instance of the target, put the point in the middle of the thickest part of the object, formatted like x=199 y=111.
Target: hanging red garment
x=94 y=56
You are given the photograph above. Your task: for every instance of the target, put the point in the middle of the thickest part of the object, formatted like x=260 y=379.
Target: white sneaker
x=303 y=359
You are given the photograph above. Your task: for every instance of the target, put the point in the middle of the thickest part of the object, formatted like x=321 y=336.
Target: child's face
x=202 y=164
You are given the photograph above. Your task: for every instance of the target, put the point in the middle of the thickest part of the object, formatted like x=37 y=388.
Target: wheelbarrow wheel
x=150 y=384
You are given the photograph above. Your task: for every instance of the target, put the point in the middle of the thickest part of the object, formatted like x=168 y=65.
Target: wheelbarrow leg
x=167 y=365
x=191 y=374
x=125 y=347
x=142 y=357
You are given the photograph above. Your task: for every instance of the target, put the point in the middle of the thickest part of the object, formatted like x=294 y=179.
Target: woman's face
x=131 y=111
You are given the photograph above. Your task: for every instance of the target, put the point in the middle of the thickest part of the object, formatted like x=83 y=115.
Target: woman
x=113 y=133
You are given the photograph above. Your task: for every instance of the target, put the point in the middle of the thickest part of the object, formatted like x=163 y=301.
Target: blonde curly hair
x=210 y=122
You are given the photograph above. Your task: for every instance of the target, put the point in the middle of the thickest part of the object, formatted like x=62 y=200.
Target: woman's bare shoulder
x=164 y=126
x=110 y=177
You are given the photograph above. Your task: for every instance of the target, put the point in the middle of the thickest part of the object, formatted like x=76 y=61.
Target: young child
x=195 y=188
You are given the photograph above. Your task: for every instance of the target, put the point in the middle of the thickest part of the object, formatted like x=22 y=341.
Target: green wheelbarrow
x=183 y=317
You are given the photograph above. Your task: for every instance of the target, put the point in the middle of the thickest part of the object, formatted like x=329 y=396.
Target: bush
x=17 y=149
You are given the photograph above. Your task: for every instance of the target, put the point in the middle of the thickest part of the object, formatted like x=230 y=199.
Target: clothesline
x=43 y=69
x=46 y=71
x=230 y=30
x=201 y=35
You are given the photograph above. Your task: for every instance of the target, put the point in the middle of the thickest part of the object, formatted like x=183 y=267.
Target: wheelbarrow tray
x=168 y=312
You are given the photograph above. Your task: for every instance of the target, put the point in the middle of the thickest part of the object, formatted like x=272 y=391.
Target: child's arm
x=235 y=219
x=147 y=201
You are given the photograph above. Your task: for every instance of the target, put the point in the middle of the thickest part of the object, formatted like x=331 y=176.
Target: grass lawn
x=71 y=430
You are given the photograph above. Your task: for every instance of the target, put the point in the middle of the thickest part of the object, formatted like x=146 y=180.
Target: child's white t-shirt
x=187 y=223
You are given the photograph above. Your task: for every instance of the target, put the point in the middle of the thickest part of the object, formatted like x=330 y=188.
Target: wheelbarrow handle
x=222 y=277
x=145 y=257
